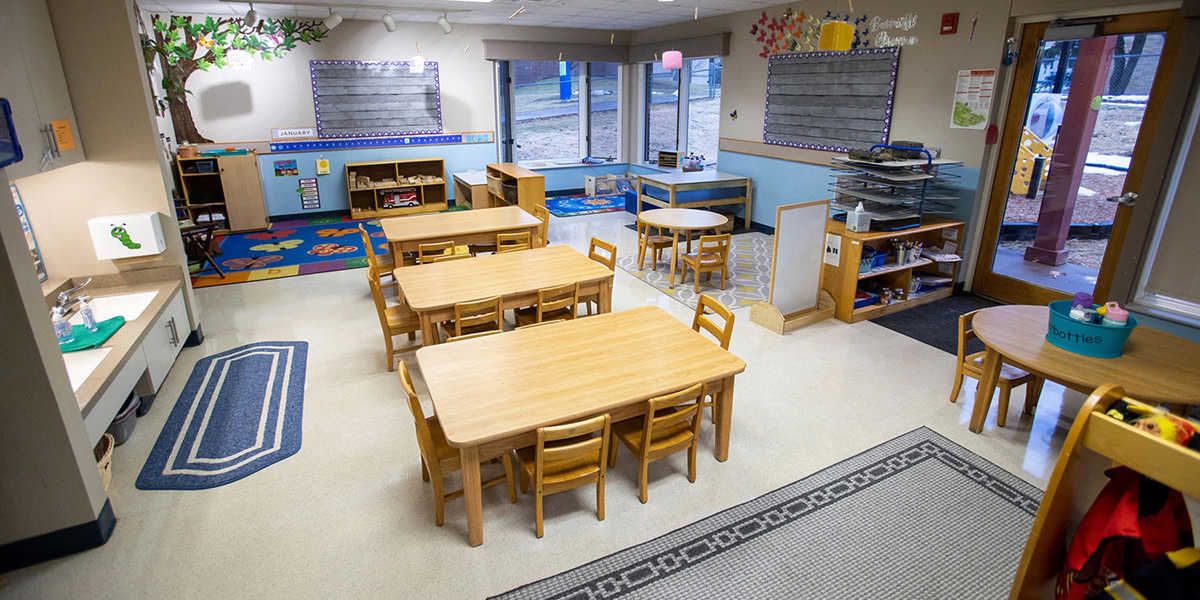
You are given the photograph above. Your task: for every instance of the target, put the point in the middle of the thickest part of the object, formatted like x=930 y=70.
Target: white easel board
x=795 y=298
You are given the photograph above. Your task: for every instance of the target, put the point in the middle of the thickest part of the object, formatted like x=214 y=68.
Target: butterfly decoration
x=337 y=232
x=254 y=262
x=270 y=235
x=331 y=249
x=277 y=246
x=799 y=32
x=733 y=116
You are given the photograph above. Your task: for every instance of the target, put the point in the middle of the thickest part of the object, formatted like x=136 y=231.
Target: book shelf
x=391 y=188
x=843 y=280
x=222 y=189
x=528 y=187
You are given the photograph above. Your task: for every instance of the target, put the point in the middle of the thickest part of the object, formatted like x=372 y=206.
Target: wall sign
x=831 y=101
x=973 y=99
x=363 y=99
x=293 y=133
x=286 y=168
x=310 y=194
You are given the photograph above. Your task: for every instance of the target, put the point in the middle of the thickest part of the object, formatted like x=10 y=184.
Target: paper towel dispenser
x=127 y=236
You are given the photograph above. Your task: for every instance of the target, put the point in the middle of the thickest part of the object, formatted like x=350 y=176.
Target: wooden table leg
x=604 y=298
x=674 y=256
x=429 y=335
x=987 y=387
x=723 y=414
x=642 y=245
x=472 y=493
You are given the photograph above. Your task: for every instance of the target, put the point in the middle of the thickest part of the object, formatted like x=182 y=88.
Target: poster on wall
x=973 y=99
x=286 y=168
x=27 y=229
x=310 y=195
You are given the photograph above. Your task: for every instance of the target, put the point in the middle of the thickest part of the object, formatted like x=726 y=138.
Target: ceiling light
x=388 y=22
x=444 y=23
x=333 y=20
x=251 y=17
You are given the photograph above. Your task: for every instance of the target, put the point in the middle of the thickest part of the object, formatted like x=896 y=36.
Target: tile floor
x=348 y=516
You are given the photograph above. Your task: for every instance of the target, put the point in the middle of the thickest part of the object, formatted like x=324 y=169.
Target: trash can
x=122 y=426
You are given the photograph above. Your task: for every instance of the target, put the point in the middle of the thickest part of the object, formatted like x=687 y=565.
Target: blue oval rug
x=240 y=412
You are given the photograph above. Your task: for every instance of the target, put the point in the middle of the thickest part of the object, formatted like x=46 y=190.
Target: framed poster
x=28 y=230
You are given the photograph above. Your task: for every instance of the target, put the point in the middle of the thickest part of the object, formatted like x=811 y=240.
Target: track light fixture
x=444 y=23
x=333 y=20
x=251 y=17
x=388 y=22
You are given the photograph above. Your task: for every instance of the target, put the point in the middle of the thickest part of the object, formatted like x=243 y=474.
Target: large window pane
x=545 y=110
x=704 y=108
x=603 y=116
x=662 y=110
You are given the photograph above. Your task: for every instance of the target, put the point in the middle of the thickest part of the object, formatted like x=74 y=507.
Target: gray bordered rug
x=915 y=517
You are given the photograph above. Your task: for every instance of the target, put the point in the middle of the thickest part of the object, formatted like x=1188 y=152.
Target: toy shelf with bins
x=843 y=280
x=529 y=187
x=389 y=179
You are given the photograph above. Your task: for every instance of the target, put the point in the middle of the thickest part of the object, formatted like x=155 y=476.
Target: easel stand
x=1094 y=433
x=796 y=298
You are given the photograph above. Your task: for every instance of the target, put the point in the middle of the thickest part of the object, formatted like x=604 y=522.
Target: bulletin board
x=831 y=101
x=375 y=98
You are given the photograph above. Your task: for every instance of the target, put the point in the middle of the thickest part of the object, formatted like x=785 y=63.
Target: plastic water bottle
x=85 y=313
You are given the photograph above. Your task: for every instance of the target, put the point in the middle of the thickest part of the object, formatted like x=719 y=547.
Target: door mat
x=936 y=323
x=916 y=517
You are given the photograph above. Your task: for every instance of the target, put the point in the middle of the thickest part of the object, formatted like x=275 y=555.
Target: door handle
x=174 y=332
x=1128 y=198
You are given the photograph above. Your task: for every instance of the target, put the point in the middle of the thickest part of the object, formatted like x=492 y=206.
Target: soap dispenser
x=85 y=313
x=62 y=328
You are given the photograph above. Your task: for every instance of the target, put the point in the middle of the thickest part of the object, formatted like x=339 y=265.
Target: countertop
x=126 y=340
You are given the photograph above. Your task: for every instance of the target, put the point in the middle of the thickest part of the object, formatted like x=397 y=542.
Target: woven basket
x=103 y=453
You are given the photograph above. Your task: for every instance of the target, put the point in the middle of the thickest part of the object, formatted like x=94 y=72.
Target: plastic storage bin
x=1088 y=339
x=868 y=301
x=867 y=262
x=122 y=426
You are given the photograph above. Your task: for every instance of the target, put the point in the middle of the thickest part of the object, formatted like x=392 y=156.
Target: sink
x=81 y=364
x=129 y=306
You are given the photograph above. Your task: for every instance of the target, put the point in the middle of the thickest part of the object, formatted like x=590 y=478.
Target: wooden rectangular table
x=530 y=378
x=465 y=227
x=432 y=290
x=673 y=183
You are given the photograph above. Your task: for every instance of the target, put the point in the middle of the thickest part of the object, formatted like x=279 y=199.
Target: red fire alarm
x=949 y=23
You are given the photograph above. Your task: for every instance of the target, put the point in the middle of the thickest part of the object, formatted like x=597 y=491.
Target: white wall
x=241 y=106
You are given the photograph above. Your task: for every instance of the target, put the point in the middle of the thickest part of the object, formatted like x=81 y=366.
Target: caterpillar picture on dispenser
x=123 y=237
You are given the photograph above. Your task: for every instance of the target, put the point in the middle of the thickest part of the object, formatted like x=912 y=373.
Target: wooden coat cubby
x=842 y=281
x=368 y=202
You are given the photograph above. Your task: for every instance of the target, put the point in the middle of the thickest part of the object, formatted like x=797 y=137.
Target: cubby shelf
x=893 y=267
x=368 y=202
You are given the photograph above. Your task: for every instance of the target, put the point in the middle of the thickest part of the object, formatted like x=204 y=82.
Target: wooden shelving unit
x=530 y=186
x=373 y=201
x=223 y=189
x=843 y=280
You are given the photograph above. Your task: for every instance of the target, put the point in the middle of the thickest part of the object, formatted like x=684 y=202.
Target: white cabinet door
x=164 y=341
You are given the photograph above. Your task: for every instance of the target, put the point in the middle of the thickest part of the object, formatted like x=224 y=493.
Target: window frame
x=683 y=107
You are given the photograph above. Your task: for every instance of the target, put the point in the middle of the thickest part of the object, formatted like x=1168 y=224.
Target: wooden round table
x=677 y=219
x=1155 y=366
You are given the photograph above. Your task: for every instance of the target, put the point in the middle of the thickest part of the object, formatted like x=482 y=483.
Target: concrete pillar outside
x=1088 y=81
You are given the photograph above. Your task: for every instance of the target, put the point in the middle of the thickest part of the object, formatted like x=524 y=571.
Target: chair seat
x=1007 y=371
x=705 y=259
x=576 y=467
x=442 y=447
x=400 y=316
x=666 y=436
x=528 y=316
x=658 y=240
x=385 y=262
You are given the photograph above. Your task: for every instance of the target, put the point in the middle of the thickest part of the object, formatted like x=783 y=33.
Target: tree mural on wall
x=186 y=44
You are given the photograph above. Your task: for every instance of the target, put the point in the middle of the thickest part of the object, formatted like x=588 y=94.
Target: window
x=700 y=108
x=704 y=107
x=543 y=116
x=603 y=126
x=662 y=110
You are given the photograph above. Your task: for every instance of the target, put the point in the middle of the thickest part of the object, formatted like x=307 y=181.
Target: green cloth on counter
x=86 y=340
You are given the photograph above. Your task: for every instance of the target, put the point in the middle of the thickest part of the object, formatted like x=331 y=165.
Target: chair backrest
x=425 y=252
x=965 y=334
x=471 y=336
x=560 y=297
x=511 y=242
x=686 y=404
x=566 y=452
x=539 y=324
x=723 y=332
x=424 y=436
x=366 y=239
x=715 y=244
x=477 y=312
x=543 y=215
x=599 y=244
x=445 y=257
x=380 y=303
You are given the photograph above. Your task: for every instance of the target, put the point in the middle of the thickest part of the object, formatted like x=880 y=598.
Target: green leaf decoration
x=203 y=64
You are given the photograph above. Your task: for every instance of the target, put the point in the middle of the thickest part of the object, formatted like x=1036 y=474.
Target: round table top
x=682 y=218
x=1155 y=366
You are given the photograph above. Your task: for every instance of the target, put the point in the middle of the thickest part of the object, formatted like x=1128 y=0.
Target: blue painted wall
x=776 y=182
x=571 y=178
x=280 y=192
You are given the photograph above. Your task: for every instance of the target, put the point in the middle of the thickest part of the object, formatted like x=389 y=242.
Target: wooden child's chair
x=1010 y=377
